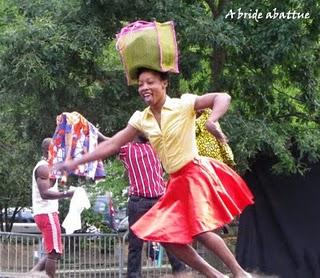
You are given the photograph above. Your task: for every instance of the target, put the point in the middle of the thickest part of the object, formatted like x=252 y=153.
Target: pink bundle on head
x=152 y=45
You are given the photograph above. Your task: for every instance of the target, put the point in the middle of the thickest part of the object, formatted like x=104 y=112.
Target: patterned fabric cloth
x=208 y=145
x=74 y=136
x=144 y=170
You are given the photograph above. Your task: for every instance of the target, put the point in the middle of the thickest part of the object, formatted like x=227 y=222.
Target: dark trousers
x=137 y=207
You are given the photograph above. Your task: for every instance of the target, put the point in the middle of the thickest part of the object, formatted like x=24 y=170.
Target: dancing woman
x=202 y=194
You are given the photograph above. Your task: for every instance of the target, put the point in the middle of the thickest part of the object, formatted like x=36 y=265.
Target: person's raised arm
x=219 y=103
x=103 y=150
x=102 y=137
x=43 y=182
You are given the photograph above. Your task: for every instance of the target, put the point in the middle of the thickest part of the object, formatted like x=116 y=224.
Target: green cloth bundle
x=150 y=45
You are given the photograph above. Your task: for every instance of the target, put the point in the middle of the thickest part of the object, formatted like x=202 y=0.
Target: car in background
x=115 y=219
x=24 y=215
x=122 y=221
x=23 y=222
x=104 y=206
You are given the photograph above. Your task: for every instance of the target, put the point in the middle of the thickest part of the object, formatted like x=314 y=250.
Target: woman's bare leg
x=189 y=256
x=217 y=245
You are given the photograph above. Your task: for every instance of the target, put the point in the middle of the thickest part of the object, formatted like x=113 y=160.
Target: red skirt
x=203 y=195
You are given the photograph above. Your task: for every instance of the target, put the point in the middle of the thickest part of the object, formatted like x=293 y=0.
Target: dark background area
x=280 y=233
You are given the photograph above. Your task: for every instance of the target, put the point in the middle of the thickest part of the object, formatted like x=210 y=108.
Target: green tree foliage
x=268 y=66
x=59 y=59
x=14 y=164
x=53 y=59
x=274 y=79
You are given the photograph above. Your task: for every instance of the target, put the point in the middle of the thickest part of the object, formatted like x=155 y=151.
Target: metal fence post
x=160 y=256
x=120 y=258
x=123 y=244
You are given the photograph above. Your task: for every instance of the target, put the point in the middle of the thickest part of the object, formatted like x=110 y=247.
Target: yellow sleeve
x=188 y=102
x=135 y=120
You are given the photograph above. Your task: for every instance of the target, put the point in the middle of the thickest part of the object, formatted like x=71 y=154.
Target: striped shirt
x=144 y=170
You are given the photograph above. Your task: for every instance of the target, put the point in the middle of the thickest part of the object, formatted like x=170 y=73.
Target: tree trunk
x=218 y=54
x=217 y=65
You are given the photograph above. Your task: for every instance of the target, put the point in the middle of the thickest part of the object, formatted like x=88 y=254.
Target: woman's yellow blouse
x=174 y=139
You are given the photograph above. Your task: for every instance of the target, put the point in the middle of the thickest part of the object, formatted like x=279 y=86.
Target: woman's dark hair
x=164 y=76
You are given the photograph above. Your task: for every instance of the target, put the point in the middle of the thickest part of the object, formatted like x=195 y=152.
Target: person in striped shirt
x=146 y=186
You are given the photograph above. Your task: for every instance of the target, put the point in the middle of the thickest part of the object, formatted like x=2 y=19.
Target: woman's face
x=152 y=88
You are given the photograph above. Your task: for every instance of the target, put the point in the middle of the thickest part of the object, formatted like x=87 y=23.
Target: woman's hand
x=68 y=165
x=213 y=128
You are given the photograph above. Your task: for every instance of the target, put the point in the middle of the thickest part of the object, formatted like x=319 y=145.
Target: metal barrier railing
x=85 y=255
x=17 y=251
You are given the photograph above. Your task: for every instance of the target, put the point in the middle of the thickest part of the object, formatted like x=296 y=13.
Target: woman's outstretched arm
x=103 y=150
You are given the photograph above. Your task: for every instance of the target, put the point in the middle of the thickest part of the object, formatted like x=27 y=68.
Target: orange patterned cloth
x=74 y=136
